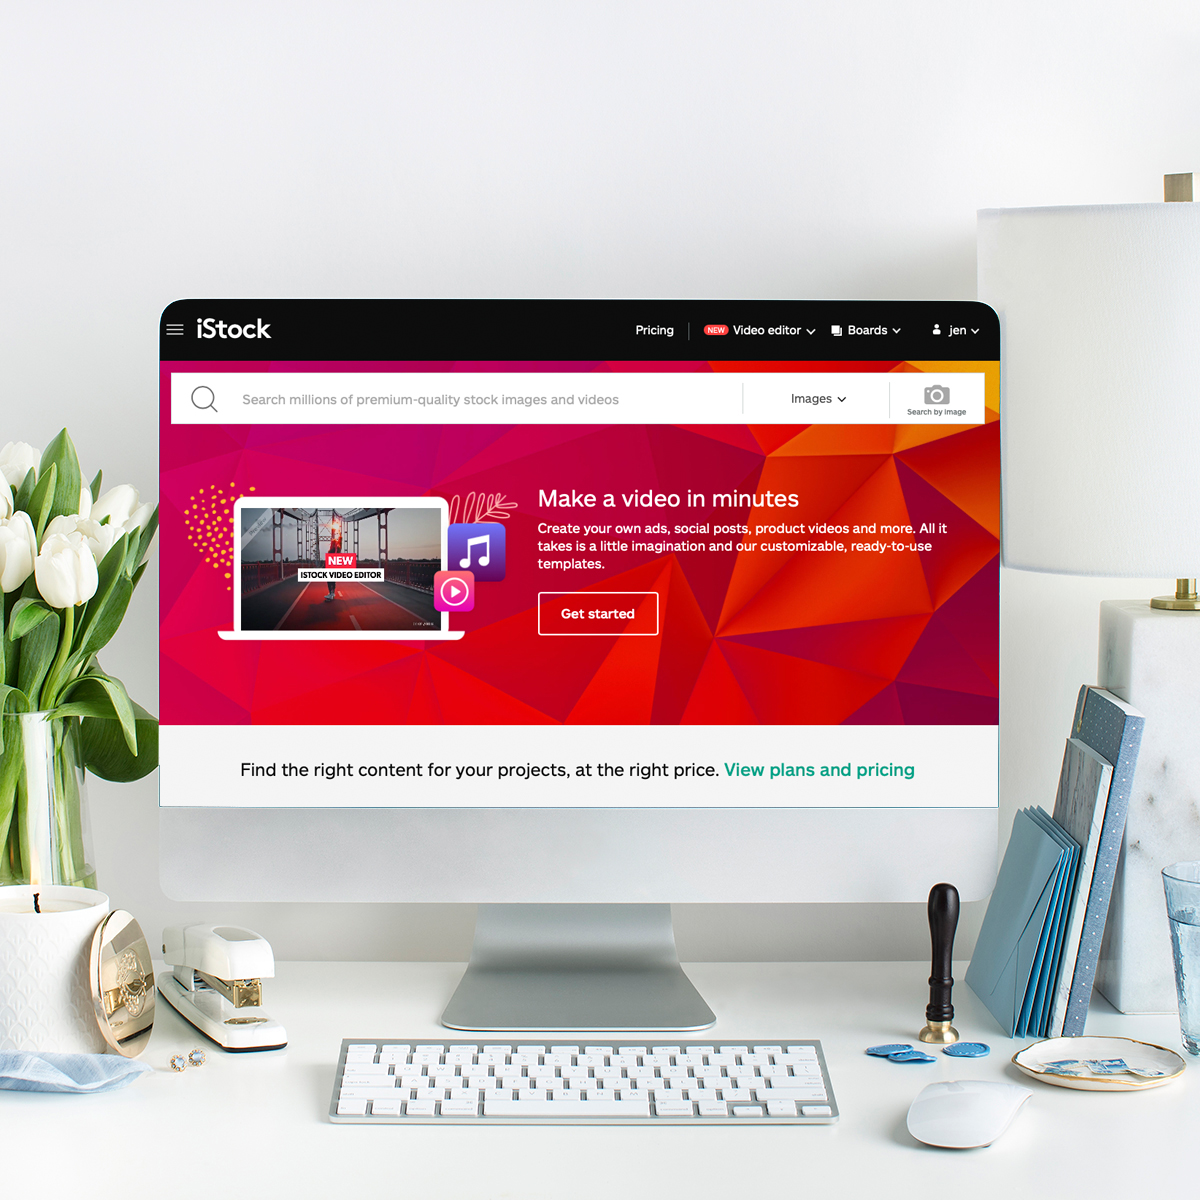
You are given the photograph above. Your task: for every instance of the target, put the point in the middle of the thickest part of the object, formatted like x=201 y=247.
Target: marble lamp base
x=1150 y=658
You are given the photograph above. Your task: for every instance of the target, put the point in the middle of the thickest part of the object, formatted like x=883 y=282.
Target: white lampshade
x=1100 y=411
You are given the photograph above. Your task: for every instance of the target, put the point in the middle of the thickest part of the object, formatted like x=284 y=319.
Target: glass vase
x=45 y=823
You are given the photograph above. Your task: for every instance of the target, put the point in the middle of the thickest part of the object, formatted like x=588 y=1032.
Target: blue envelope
x=1035 y=1013
x=1016 y=922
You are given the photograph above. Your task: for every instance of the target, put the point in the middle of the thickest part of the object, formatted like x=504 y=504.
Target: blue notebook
x=1018 y=949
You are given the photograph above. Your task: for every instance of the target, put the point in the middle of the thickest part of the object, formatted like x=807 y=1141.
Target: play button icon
x=454 y=591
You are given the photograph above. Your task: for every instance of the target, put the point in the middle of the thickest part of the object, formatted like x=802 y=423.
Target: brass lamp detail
x=1185 y=599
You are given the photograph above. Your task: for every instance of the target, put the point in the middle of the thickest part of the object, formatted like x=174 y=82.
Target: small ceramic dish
x=1139 y=1055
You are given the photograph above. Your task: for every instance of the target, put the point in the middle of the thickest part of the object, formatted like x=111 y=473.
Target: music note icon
x=479 y=548
x=486 y=557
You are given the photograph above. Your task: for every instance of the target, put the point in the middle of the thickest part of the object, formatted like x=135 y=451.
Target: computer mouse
x=962 y=1114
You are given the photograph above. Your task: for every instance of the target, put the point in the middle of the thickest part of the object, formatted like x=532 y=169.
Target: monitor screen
x=578 y=556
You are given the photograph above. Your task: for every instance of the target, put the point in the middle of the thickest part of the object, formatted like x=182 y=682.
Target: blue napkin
x=24 y=1072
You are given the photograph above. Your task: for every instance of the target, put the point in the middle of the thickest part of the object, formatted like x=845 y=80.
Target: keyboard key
x=531 y=1050
x=566 y=1108
x=393 y=1047
x=781 y=1108
x=431 y=1047
x=730 y=1094
x=672 y=1108
x=352 y=1108
x=816 y=1110
x=766 y=1094
x=386 y=1108
x=361 y=1046
x=419 y=1108
x=597 y=1050
x=366 y=1093
x=459 y=1108
x=747 y=1110
x=712 y=1108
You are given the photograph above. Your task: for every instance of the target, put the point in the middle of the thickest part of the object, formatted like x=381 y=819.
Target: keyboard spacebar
x=566 y=1108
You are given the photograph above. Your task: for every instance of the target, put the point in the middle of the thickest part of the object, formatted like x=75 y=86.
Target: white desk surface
x=255 y=1125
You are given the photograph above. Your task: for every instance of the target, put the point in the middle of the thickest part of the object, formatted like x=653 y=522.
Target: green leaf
x=107 y=575
x=147 y=536
x=61 y=454
x=94 y=486
x=27 y=614
x=91 y=688
x=42 y=501
x=7 y=693
x=106 y=750
x=101 y=627
x=38 y=649
x=25 y=490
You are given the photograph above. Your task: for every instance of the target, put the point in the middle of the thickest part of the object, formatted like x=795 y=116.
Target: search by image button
x=204 y=397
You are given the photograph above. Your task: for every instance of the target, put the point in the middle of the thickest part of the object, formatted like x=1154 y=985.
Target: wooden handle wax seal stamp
x=943 y=921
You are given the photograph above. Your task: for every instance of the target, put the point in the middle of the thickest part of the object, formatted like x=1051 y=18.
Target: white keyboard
x=388 y=1081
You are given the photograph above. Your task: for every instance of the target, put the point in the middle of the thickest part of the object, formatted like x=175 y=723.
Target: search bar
x=561 y=397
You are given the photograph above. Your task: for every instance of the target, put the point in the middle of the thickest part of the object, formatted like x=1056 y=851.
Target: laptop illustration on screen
x=336 y=568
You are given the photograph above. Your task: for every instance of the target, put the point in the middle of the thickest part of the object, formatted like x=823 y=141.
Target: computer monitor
x=575 y=609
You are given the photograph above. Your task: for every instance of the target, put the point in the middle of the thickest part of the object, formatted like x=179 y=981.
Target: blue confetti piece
x=968 y=1050
x=910 y=1056
x=884 y=1051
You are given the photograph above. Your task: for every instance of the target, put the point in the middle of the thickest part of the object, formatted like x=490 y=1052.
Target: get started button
x=598 y=614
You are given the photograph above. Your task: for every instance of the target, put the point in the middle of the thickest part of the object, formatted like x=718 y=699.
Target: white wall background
x=151 y=151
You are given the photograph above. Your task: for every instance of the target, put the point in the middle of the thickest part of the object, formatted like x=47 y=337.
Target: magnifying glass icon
x=204 y=397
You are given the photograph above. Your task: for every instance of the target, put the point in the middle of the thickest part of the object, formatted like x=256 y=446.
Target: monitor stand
x=599 y=967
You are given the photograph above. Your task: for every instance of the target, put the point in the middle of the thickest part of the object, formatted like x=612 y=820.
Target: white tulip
x=100 y=538
x=16 y=460
x=18 y=549
x=117 y=504
x=139 y=517
x=6 y=500
x=65 y=570
x=62 y=526
x=85 y=500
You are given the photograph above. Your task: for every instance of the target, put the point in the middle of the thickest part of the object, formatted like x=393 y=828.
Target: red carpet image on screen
x=400 y=547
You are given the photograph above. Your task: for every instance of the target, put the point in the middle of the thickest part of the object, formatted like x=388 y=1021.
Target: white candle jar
x=45 y=990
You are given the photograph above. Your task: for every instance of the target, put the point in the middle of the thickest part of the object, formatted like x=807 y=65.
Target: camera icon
x=937 y=393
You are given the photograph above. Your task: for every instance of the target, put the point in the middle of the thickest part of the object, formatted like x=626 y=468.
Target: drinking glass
x=1181 y=882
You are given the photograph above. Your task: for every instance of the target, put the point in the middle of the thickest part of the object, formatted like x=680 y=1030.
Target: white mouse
x=962 y=1114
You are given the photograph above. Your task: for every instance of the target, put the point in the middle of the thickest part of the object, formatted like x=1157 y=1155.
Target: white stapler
x=217 y=984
